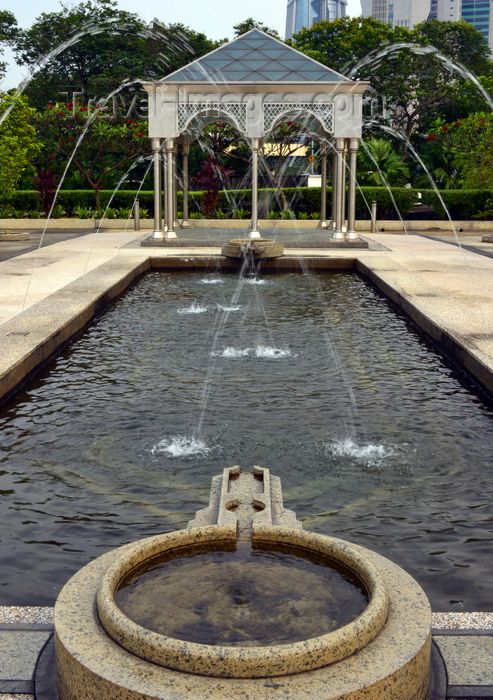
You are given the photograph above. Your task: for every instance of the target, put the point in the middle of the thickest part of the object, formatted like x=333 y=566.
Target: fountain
x=268 y=641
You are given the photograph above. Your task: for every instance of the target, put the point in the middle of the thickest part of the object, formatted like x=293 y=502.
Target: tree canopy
x=8 y=30
x=18 y=144
x=107 y=47
x=411 y=71
x=250 y=23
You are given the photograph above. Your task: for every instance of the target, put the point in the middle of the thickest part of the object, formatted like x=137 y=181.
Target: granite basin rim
x=243 y=662
x=262 y=248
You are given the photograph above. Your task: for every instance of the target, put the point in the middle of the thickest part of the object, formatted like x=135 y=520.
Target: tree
x=8 y=30
x=412 y=80
x=282 y=143
x=438 y=158
x=99 y=144
x=110 y=47
x=250 y=23
x=471 y=142
x=380 y=165
x=18 y=143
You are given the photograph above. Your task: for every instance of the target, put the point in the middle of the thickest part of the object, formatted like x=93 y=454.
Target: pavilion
x=254 y=83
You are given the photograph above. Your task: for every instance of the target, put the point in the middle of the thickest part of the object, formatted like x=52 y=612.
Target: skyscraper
x=305 y=13
x=478 y=13
x=400 y=13
x=407 y=13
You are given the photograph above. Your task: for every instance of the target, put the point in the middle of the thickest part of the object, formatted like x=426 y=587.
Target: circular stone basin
x=245 y=597
x=259 y=248
x=288 y=647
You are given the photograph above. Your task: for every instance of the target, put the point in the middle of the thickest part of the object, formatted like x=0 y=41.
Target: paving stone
x=469 y=660
x=19 y=652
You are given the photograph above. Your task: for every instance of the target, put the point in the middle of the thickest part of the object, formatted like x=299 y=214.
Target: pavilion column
x=343 y=190
x=254 y=145
x=169 y=189
x=185 y=151
x=323 y=189
x=351 y=213
x=158 y=224
x=332 y=223
x=175 y=189
x=338 y=177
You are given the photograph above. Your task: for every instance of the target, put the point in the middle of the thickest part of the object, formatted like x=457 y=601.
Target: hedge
x=462 y=205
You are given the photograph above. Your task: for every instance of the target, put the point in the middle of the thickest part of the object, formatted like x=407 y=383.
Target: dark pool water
x=377 y=439
x=246 y=597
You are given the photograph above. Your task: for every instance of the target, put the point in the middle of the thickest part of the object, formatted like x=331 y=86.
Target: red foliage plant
x=211 y=177
x=45 y=183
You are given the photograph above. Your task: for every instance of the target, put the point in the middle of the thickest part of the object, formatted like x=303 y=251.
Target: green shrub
x=241 y=214
x=57 y=211
x=19 y=213
x=461 y=204
x=124 y=213
x=83 y=213
x=273 y=215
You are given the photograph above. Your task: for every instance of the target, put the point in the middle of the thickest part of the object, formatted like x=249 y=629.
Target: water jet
x=383 y=652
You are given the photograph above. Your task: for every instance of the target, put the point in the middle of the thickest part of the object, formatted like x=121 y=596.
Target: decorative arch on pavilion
x=254 y=83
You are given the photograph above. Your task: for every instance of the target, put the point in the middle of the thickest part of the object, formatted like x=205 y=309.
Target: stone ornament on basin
x=383 y=653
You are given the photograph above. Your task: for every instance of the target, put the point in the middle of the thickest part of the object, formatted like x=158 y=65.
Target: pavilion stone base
x=292 y=245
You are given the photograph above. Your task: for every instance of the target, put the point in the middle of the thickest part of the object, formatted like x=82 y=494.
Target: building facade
x=407 y=13
x=306 y=13
x=401 y=13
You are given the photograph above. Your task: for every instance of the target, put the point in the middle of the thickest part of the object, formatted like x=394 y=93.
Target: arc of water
x=90 y=119
x=91 y=30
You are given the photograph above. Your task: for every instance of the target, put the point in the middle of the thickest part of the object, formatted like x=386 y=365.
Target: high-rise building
x=306 y=13
x=400 y=13
x=407 y=13
x=478 y=13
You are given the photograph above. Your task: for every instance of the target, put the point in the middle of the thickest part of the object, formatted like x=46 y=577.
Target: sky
x=215 y=18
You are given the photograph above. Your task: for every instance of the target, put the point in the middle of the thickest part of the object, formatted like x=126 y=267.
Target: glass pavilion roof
x=255 y=57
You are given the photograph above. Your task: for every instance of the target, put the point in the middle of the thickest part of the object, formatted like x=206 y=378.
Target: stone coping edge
x=148 y=224
x=461 y=349
x=243 y=662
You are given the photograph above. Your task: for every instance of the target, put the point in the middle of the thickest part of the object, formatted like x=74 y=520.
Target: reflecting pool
x=376 y=437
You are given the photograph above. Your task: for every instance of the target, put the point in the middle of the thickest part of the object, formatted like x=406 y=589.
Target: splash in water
x=232 y=352
x=234 y=307
x=271 y=353
x=370 y=453
x=211 y=280
x=264 y=351
x=181 y=446
x=195 y=308
x=255 y=280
